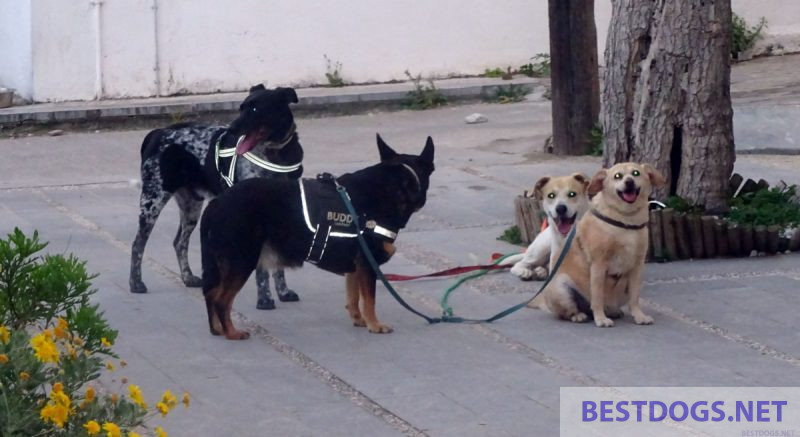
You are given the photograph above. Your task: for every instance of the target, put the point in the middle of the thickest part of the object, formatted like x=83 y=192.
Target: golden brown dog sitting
x=603 y=270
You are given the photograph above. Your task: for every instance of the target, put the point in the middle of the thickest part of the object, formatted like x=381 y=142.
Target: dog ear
x=289 y=93
x=596 y=185
x=259 y=87
x=537 y=189
x=656 y=178
x=582 y=178
x=386 y=152
x=426 y=157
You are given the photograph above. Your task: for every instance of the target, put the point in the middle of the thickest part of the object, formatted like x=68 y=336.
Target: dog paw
x=265 y=304
x=643 y=319
x=522 y=272
x=603 y=322
x=380 y=329
x=288 y=296
x=238 y=335
x=139 y=288
x=579 y=318
x=192 y=281
x=540 y=273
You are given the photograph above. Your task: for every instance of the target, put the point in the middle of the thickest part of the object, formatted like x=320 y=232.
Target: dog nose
x=561 y=209
x=629 y=184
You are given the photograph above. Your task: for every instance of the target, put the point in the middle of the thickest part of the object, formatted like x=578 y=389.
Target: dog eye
x=618 y=176
x=551 y=196
x=572 y=194
x=636 y=173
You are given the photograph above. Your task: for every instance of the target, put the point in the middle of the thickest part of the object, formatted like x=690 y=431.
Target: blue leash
x=446 y=317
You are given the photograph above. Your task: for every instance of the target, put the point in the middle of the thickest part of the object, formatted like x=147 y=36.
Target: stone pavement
x=307 y=371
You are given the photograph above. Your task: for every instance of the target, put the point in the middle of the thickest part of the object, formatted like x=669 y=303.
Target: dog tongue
x=564 y=228
x=248 y=142
x=629 y=196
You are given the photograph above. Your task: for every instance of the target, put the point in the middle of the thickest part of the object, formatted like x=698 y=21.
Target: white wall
x=201 y=46
x=283 y=41
x=15 y=46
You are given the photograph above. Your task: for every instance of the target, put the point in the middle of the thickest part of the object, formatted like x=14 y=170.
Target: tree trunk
x=574 y=77
x=666 y=94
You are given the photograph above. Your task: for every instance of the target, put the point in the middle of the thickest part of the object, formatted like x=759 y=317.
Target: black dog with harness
x=193 y=162
x=287 y=223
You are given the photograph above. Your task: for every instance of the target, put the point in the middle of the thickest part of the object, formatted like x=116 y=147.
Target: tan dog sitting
x=603 y=269
x=565 y=200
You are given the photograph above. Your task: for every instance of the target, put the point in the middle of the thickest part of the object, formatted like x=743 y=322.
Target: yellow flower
x=162 y=408
x=136 y=395
x=5 y=335
x=111 y=429
x=44 y=348
x=185 y=399
x=88 y=398
x=61 y=329
x=57 y=408
x=104 y=341
x=54 y=413
x=92 y=427
x=110 y=366
x=114 y=398
x=169 y=399
x=24 y=376
x=3 y=358
x=48 y=333
x=160 y=432
x=132 y=434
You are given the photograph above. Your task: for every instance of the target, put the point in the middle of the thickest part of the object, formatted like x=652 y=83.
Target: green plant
x=53 y=344
x=596 y=139
x=333 y=72
x=495 y=72
x=511 y=93
x=512 y=235
x=767 y=207
x=539 y=67
x=744 y=37
x=38 y=287
x=423 y=96
x=681 y=205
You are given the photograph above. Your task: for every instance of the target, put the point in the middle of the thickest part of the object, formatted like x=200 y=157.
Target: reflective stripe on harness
x=253 y=158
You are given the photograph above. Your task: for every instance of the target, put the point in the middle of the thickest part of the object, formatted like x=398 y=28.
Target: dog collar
x=618 y=224
x=380 y=230
x=413 y=173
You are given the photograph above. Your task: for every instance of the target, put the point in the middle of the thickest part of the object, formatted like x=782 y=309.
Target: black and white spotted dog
x=194 y=162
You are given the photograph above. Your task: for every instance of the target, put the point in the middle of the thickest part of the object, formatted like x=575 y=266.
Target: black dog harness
x=334 y=242
x=221 y=156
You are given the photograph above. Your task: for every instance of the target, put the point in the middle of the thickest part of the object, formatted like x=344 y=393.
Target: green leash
x=447 y=311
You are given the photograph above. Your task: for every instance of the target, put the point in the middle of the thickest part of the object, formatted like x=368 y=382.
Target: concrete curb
x=311 y=99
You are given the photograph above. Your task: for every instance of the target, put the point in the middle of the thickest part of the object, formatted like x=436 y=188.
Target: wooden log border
x=673 y=235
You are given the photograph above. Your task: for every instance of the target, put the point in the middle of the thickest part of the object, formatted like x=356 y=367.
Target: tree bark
x=575 y=87
x=666 y=94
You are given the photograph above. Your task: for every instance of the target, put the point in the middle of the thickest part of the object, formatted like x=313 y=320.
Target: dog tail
x=148 y=139
x=179 y=169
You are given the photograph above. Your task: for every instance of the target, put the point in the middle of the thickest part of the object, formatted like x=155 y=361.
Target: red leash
x=449 y=272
